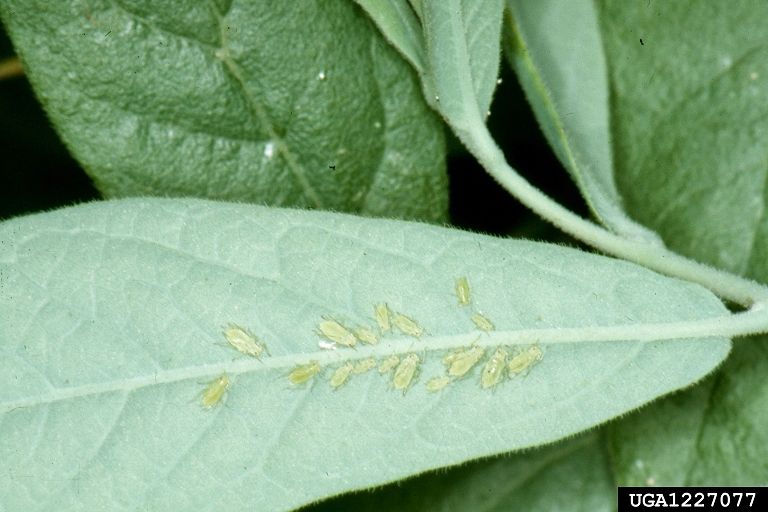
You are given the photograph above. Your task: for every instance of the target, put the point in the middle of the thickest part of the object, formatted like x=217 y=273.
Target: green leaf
x=463 y=46
x=555 y=48
x=668 y=432
x=113 y=317
x=573 y=476
x=713 y=434
x=400 y=25
x=235 y=100
x=690 y=112
x=690 y=109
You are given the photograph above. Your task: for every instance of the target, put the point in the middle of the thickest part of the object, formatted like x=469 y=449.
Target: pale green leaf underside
x=557 y=53
x=113 y=312
x=236 y=100
x=462 y=38
x=401 y=27
x=573 y=476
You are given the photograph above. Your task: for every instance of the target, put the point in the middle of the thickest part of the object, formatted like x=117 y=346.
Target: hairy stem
x=726 y=285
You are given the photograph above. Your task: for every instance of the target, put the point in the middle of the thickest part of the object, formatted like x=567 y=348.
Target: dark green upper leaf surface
x=690 y=118
x=288 y=103
x=573 y=475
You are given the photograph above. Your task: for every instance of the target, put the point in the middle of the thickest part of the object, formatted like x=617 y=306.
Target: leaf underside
x=115 y=311
x=556 y=49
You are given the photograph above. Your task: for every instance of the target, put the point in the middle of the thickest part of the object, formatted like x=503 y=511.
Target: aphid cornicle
x=524 y=360
x=215 y=390
x=389 y=364
x=405 y=372
x=341 y=375
x=493 y=371
x=437 y=383
x=304 y=372
x=381 y=312
x=244 y=341
x=464 y=361
x=335 y=332
x=463 y=292
x=482 y=322
x=407 y=325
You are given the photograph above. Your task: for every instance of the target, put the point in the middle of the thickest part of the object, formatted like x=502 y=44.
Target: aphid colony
x=243 y=341
x=502 y=362
x=404 y=370
x=335 y=334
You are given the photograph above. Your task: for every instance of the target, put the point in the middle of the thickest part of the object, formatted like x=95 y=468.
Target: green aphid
x=215 y=391
x=337 y=333
x=304 y=372
x=364 y=366
x=407 y=325
x=463 y=292
x=524 y=360
x=389 y=364
x=464 y=361
x=341 y=375
x=493 y=371
x=381 y=312
x=482 y=322
x=244 y=341
x=366 y=335
x=405 y=372
x=436 y=384
x=450 y=357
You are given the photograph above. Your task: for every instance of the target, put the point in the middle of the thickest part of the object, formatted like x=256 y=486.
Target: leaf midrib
x=257 y=110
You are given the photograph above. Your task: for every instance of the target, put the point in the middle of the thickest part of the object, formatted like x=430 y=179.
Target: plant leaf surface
x=113 y=322
x=235 y=100
x=555 y=47
x=690 y=115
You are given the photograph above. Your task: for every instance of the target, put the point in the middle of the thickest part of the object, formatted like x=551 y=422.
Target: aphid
x=389 y=364
x=304 y=372
x=405 y=372
x=493 y=371
x=450 y=357
x=244 y=341
x=463 y=292
x=337 y=333
x=364 y=365
x=524 y=360
x=341 y=375
x=464 y=361
x=366 y=335
x=482 y=322
x=382 y=317
x=407 y=326
x=215 y=390
x=437 y=383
